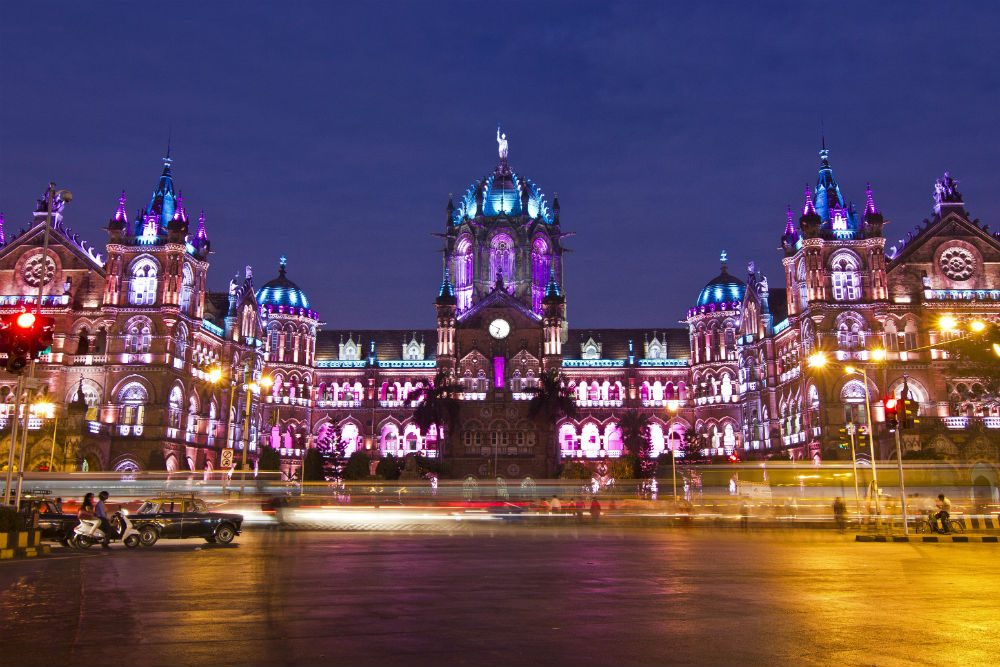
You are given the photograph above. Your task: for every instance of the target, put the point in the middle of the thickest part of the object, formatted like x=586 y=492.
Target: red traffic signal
x=23 y=336
x=25 y=320
x=891 y=407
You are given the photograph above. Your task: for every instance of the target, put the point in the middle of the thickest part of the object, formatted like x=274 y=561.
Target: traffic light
x=907 y=411
x=23 y=336
x=891 y=413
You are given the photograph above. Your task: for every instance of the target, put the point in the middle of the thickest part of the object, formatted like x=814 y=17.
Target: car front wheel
x=225 y=534
x=148 y=536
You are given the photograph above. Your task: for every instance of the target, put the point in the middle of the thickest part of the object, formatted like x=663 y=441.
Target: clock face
x=499 y=328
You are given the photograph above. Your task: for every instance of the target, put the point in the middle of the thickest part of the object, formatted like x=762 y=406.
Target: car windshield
x=149 y=507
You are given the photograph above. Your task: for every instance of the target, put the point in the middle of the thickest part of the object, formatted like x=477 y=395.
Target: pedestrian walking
x=595 y=510
x=555 y=506
x=839 y=513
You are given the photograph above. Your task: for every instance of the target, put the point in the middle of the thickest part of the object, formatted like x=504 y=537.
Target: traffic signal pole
x=8 y=495
x=49 y=199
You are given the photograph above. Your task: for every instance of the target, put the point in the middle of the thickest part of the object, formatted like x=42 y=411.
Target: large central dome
x=282 y=293
x=504 y=192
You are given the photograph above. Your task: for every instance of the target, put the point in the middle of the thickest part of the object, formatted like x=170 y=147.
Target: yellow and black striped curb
x=25 y=552
x=986 y=539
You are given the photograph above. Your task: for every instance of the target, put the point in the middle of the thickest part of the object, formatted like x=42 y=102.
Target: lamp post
x=672 y=406
x=851 y=430
x=819 y=359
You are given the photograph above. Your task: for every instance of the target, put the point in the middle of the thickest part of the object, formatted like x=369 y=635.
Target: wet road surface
x=578 y=597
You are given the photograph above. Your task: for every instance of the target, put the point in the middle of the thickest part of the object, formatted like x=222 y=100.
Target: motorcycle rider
x=944 y=510
x=102 y=513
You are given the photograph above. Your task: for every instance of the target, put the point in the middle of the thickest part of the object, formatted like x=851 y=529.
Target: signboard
x=226 y=461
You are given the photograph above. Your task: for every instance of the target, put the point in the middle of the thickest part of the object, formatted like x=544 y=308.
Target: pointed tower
x=3 y=232
x=446 y=306
x=553 y=317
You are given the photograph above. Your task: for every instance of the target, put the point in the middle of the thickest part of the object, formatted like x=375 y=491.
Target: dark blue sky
x=333 y=133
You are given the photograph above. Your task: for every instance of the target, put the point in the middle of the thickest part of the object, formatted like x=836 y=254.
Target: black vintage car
x=53 y=522
x=179 y=517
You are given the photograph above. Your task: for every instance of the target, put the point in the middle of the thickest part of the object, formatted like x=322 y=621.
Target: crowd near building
x=154 y=371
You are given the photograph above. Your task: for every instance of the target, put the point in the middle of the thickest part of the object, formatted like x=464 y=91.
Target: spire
x=789 y=224
x=3 y=233
x=809 y=208
x=869 y=201
x=201 y=235
x=163 y=201
x=447 y=291
x=120 y=215
x=282 y=264
x=552 y=288
x=179 y=212
x=724 y=261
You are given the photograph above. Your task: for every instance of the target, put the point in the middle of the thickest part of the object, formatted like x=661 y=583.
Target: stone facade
x=138 y=335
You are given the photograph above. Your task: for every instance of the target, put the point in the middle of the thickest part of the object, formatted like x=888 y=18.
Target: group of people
x=939 y=518
x=576 y=506
x=90 y=510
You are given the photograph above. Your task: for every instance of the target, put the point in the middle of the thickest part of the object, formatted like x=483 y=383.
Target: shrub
x=357 y=467
x=312 y=467
x=575 y=470
x=388 y=468
x=269 y=460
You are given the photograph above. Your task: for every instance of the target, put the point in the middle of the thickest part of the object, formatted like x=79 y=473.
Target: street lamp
x=672 y=406
x=851 y=370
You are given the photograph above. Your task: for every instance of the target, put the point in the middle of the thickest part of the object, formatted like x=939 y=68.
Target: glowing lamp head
x=977 y=326
x=26 y=320
x=215 y=375
x=878 y=355
x=254 y=387
x=948 y=323
x=850 y=370
x=816 y=360
x=673 y=405
x=266 y=382
x=996 y=349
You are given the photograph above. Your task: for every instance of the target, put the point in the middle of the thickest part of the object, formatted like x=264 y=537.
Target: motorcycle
x=89 y=532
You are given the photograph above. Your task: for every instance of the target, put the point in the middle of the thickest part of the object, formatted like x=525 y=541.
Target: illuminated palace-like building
x=141 y=333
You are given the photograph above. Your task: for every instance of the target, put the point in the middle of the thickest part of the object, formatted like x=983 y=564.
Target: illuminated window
x=502 y=260
x=142 y=287
x=846 y=279
x=138 y=337
x=187 y=288
x=132 y=399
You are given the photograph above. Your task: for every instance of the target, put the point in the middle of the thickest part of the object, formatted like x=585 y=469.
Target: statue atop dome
x=501 y=144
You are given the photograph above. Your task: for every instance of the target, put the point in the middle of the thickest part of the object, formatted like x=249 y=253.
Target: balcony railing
x=599 y=403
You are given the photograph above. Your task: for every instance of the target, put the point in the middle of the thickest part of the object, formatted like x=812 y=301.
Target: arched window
x=132 y=401
x=174 y=407
x=138 y=337
x=502 y=259
x=83 y=342
x=846 y=279
x=142 y=287
x=272 y=343
x=850 y=334
x=180 y=341
x=800 y=276
x=462 y=271
x=187 y=288
x=541 y=261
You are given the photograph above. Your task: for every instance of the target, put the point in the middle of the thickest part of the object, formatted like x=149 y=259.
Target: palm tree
x=635 y=433
x=551 y=401
x=437 y=405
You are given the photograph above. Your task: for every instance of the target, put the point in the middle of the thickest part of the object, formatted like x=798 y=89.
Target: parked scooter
x=89 y=532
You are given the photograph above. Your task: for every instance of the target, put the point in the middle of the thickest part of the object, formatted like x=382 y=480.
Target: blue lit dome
x=504 y=192
x=282 y=293
x=722 y=289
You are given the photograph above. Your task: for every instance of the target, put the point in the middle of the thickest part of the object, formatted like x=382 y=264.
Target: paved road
x=507 y=597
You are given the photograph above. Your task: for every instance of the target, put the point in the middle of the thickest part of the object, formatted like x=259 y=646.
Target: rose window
x=39 y=270
x=957 y=263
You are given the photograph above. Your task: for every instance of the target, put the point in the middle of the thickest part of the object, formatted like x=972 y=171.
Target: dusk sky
x=334 y=132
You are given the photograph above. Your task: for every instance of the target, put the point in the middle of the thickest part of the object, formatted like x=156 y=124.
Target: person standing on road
x=102 y=513
x=944 y=512
x=839 y=513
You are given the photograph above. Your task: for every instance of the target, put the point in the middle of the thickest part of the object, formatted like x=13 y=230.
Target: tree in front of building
x=636 y=438
x=551 y=401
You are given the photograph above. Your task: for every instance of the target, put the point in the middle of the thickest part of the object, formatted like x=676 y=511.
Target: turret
x=810 y=220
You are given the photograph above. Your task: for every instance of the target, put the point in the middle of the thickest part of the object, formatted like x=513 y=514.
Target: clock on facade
x=38 y=270
x=499 y=328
